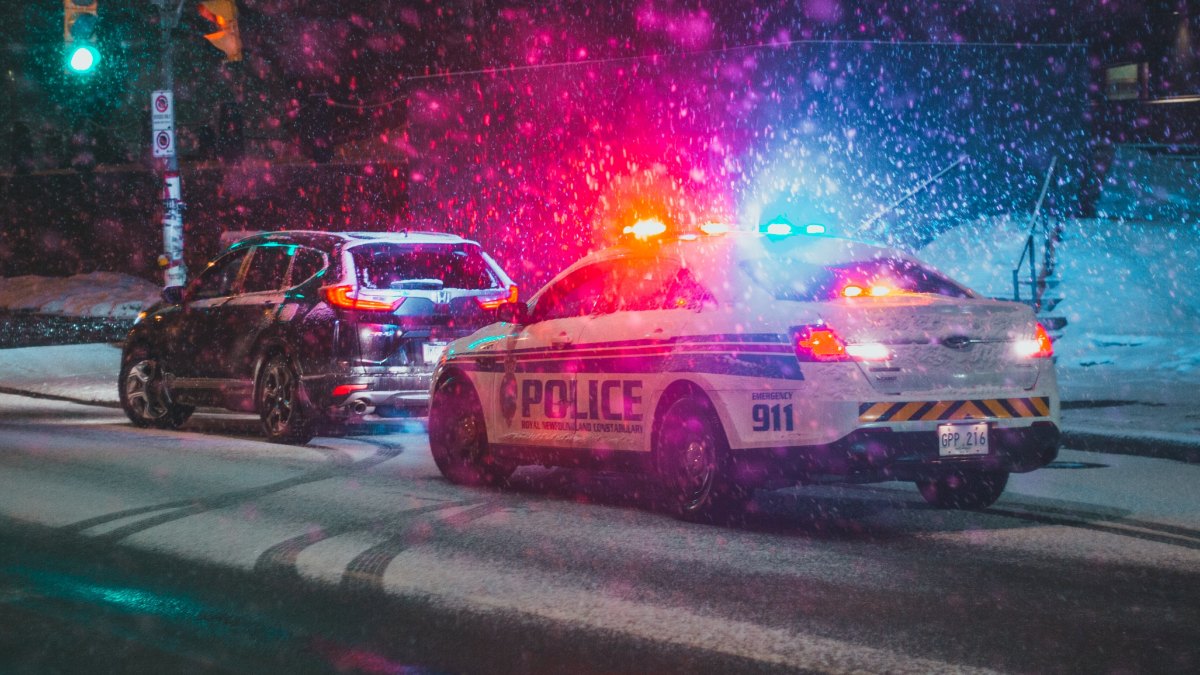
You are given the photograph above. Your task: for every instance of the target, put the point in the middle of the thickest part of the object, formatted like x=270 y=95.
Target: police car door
x=631 y=347
x=535 y=401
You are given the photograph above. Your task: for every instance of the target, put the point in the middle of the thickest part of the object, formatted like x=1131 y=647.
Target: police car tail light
x=1038 y=347
x=493 y=301
x=821 y=342
x=347 y=296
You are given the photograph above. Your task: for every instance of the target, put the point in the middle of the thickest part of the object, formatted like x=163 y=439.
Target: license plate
x=433 y=351
x=957 y=440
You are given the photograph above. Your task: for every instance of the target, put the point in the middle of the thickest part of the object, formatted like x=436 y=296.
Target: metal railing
x=1037 y=277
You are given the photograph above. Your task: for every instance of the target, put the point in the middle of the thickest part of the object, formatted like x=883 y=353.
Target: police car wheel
x=458 y=437
x=964 y=489
x=692 y=458
x=144 y=395
x=278 y=402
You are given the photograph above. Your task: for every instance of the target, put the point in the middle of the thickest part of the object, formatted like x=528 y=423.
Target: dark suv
x=311 y=329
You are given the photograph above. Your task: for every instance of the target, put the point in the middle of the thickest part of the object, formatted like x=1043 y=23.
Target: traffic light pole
x=163 y=116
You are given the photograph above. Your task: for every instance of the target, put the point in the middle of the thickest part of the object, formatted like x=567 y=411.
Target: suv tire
x=277 y=399
x=143 y=394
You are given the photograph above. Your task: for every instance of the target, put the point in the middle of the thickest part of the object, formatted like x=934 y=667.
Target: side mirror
x=173 y=295
x=513 y=312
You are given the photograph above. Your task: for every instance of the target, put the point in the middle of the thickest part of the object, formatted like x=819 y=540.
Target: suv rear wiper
x=417 y=285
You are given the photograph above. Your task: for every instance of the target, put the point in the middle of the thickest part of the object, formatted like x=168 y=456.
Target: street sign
x=162 y=110
x=164 y=143
x=162 y=123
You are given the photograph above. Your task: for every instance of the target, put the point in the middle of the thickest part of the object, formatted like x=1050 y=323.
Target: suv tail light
x=820 y=342
x=494 y=300
x=1038 y=347
x=347 y=296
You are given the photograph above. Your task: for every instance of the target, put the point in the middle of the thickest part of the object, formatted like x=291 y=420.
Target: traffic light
x=79 y=35
x=223 y=13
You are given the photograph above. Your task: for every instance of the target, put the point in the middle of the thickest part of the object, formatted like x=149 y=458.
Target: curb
x=1141 y=446
x=29 y=393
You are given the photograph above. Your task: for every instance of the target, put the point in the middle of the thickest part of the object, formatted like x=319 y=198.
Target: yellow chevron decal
x=1023 y=408
x=995 y=409
x=1042 y=406
x=968 y=410
x=929 y=411
x=874 y=412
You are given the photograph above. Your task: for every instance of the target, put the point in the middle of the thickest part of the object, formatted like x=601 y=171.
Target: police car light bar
x=781 y=227
x=715 y=228
x=646 y=228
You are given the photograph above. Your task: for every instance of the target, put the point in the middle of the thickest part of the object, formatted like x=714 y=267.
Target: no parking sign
x=162 y=121
x=164 y=143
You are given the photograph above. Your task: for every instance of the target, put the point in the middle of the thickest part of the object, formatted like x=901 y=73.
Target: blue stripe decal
x=769 y=366
x=673 y=357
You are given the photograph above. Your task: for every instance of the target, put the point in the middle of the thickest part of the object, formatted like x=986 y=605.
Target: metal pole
x=174 y=272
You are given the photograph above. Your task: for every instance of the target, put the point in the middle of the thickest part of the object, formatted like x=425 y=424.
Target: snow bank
x=100 y=294
x=1131 y=291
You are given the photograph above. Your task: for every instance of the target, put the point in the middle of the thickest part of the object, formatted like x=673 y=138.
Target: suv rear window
x=422 y=266
x=806 y=282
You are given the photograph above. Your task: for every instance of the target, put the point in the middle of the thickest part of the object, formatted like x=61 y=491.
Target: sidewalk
x=1151 y=414
x=1103 y=411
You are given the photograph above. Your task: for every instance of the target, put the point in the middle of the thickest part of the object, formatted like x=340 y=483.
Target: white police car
x=722 y=362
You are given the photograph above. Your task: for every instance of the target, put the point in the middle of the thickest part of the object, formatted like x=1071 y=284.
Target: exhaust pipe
x=360 y=407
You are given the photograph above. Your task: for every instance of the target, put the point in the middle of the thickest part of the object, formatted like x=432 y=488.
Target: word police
x=611 y=400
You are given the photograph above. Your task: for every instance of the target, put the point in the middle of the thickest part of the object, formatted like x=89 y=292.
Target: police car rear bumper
x=874 y=455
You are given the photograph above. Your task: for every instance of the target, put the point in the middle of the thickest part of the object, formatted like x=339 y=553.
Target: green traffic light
x=83 y=59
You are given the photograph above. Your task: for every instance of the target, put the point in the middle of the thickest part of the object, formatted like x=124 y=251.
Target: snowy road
x=209 y=549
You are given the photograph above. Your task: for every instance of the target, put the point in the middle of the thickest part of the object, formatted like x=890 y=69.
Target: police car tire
x=964 y=489
x=282 y=421
x=148 y=390
x=455 y=410
x=691 y=422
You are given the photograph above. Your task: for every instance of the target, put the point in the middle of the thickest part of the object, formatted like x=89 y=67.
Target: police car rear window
x=807 y=282
x=422 y=267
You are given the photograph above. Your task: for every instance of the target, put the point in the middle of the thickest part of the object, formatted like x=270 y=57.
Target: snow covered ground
x=1131 y=291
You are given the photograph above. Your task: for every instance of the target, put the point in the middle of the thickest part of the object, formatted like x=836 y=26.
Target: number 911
x=772 y=417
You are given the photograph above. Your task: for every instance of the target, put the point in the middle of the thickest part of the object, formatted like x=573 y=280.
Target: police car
x=723 y=361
